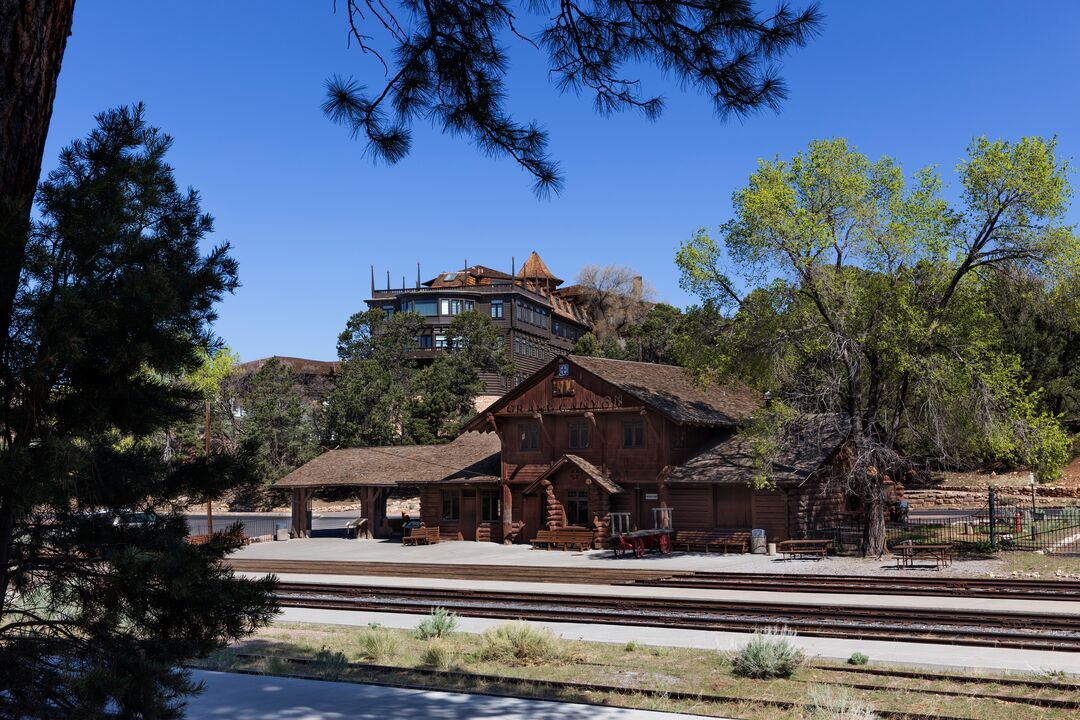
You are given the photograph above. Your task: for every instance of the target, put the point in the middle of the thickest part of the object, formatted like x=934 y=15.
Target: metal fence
x=996 y=526
x=254 y=525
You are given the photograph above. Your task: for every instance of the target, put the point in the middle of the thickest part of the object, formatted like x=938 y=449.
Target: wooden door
x=469 y=509
x=532 y=509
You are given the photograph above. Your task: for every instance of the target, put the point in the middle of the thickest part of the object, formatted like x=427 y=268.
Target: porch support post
x=368 y=500
x=507 y=513
x=299 y=511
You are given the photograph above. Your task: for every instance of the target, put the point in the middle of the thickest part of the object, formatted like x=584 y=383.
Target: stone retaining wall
x=975 y=497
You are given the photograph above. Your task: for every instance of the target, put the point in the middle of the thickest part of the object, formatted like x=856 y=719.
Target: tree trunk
x=33 y=34
x=875 y=518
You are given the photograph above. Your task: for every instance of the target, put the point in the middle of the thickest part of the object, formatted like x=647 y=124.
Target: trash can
x=281 y=532
x=772 y=549
x=757 y=541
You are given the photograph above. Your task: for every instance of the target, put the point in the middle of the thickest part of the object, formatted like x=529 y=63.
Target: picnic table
x=907 y=553
x=818 y=549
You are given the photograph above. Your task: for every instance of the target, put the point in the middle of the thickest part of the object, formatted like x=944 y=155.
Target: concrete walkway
x=231 y=696
x=937 y=602
x=952 y=657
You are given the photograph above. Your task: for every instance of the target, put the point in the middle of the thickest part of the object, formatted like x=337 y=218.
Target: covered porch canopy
x=374 y=471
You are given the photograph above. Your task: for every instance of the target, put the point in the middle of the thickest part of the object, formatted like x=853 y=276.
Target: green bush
x=378 y=645
x=768 y=654
x=329 y=663
x=439 y=624
x=438 y=655
x=630 y=646
x=222 y=659
x=837 y=703
x=518 y=643
x=858 y=658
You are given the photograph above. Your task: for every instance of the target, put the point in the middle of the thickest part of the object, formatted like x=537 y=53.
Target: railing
x=254 y=526
x=1053 y=530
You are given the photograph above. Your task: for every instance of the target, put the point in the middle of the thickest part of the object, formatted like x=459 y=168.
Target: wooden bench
x=818 y=549
x=563 y=539
x=707 y=540
x=907 y=552
x=421 y=536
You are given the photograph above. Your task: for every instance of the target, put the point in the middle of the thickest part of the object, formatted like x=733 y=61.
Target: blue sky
x=239 y=84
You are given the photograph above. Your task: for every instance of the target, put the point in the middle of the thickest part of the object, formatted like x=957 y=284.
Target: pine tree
x=449 y=65
x=100 y=608
x=277 y=433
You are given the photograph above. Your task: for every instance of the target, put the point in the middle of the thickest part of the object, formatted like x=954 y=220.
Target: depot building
x=584 y=437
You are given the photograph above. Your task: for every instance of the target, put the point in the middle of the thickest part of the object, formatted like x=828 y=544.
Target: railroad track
x=514 y=573
x=896 y=585
x=774 y=582
x=942 y=626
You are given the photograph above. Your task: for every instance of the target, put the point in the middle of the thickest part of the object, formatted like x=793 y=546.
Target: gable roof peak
x=535 y=268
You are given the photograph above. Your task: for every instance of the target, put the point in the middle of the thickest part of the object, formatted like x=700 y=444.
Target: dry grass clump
x=519 y=643
x=836 y=703
x=768 y=654
x=438 y=655
x=330 y=664
x=378 y=645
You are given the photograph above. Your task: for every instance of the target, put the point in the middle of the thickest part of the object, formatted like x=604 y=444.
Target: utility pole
x=206 y=450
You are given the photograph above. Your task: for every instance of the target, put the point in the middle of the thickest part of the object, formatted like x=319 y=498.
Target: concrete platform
x=523 y=555
x=937 y=602
x=923 y=655
x=234 y=696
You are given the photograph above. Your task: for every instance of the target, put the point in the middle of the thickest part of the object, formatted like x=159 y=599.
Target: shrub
x=378 y=645
x=518 y=643
x=222 y=659
x=439 y=624
x=630 y=646
x=329 y=663
x=438 y=655
x=836 y=703
x=768 y=654
x=858 y=658
x=276 y=666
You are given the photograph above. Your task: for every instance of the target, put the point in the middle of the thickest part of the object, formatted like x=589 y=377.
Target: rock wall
x=975 y=497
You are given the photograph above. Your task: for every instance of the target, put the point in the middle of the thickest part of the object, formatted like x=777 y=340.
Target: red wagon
x=658 y=538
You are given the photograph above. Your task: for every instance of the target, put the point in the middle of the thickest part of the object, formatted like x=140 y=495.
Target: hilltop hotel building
x=538 y=319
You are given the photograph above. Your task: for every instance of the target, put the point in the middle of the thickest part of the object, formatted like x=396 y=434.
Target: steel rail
x=961 y=627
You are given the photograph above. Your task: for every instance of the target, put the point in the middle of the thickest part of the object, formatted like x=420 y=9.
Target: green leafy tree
x=588 y=346
x=369 y=404
x=1040 y=323
x=449 y=63
x=867 y=290
x=99 y=611
x=278 y=435
x=444 y=392
x=656 y=338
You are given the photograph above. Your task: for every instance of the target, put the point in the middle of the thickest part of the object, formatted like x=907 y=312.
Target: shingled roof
x=672 y=391
x=806 y=446
x=595 y=474
x=534 y=268
x=470 y=455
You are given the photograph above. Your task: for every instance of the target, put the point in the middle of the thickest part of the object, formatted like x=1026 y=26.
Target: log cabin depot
x=587 y=436
x=584 y=437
